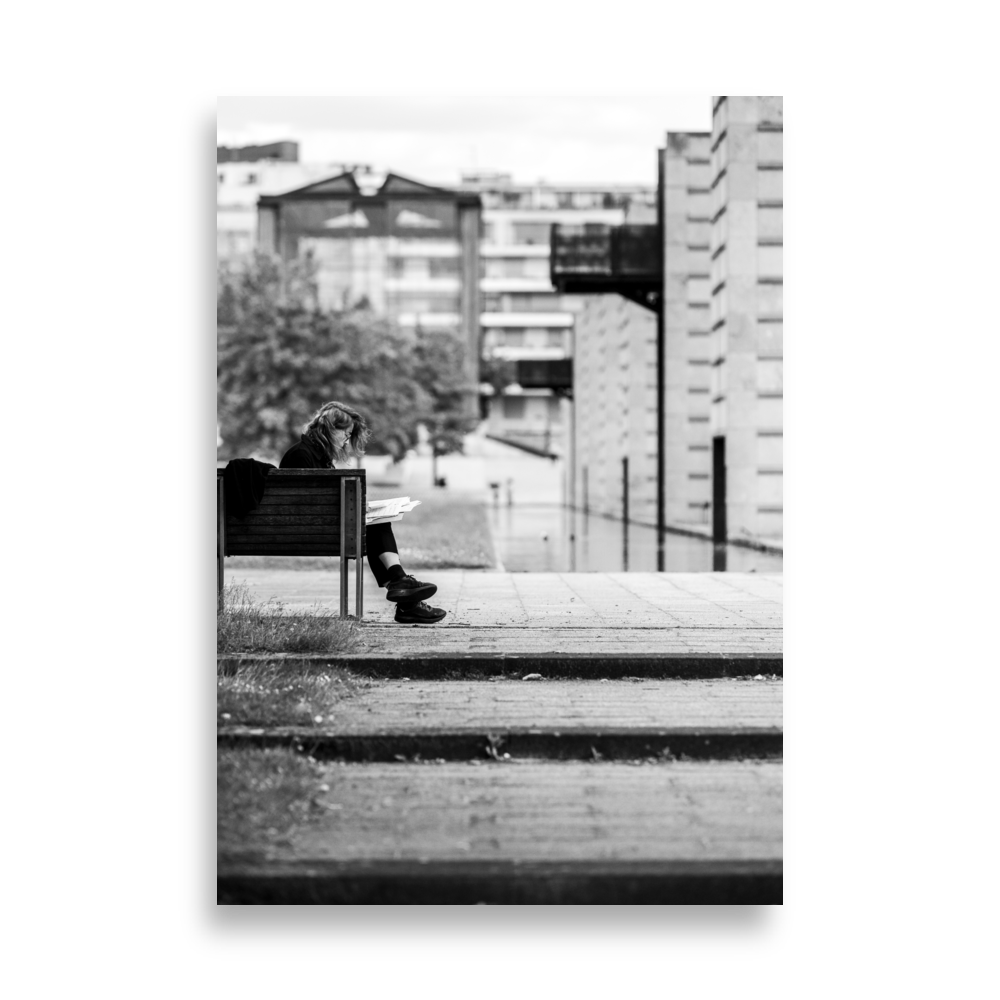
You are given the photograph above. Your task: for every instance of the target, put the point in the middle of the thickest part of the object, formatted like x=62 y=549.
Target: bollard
x=625 y=514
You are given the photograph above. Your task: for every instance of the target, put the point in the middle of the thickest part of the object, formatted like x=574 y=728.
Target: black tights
x=378 y=539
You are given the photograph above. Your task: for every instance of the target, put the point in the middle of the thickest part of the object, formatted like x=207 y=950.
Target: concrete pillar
x=686 y=300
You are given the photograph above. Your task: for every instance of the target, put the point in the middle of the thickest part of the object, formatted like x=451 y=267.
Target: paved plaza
x=551 y=613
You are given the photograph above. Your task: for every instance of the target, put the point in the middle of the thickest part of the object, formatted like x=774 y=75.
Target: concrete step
x=461 y=720
x=552 y=832
x=597 y=658
x=391 y=882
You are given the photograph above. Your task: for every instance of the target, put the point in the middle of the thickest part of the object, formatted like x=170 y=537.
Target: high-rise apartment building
x=746 y=316
x=523 y=317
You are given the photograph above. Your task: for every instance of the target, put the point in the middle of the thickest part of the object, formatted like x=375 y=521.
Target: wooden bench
x=304 y=512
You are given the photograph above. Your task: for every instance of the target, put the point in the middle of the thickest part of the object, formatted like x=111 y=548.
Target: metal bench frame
x=258 y=537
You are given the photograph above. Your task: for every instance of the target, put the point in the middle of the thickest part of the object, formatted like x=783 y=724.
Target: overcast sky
x=560 y=139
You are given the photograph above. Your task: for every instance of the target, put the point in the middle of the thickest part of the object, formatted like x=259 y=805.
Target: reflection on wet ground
x=551 y=539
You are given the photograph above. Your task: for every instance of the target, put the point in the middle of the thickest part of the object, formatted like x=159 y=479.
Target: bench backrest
x=299 y=515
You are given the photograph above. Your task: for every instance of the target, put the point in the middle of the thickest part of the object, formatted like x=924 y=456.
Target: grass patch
x=262 y=796
x=245 y=625
x=445 y=533
x=271 y=694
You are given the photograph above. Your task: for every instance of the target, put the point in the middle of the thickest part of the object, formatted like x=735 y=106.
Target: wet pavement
x=555 y=539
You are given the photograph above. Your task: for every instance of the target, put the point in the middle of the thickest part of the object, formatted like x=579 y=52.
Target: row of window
x=514 y=267
x=439 y=267
x=431 y=301
x=419 y=267
x=514 y=302
x=518 y=337
x=565 y=199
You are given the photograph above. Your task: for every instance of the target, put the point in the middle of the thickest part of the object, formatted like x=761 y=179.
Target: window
x=492 y=303
x=513 y=338
x=553 y=338
x=427 y=302
x=443 y=267
x=532 y=232
x=513 y=407
x=533 y=303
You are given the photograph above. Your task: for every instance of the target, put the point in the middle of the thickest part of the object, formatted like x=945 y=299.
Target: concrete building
x=614 y=398
x=718 y=301
x=410 y=250
x=523 y=318
x=746 y=316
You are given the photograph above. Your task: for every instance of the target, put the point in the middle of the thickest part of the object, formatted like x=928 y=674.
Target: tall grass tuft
x=245 y=625
x=272 y=694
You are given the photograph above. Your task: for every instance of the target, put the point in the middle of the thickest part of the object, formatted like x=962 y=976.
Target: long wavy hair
x=337 y=416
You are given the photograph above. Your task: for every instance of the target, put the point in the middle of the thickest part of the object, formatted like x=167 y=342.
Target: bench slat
x=298 y=500
x=279 y=517
x=257 y=549
x=331 y=492
x=267 y=530
x=294 y=510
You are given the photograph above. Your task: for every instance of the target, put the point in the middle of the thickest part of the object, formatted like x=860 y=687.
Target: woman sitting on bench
x=334 y=432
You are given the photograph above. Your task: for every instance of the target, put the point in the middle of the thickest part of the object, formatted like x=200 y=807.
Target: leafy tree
x=280 y=357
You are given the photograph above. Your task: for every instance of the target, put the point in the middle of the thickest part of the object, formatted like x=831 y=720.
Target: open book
x=381 y=511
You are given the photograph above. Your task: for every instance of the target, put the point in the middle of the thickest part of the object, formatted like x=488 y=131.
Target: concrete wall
x=746 y=308
x=614 y=390
x=687 y=294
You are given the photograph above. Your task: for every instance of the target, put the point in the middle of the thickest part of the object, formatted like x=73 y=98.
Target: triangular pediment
x=341 y=184
x=395 y=184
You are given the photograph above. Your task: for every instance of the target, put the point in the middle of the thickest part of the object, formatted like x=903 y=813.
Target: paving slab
x=546 y=811
x=584 y=720
x=395 y=706
x=573 y=614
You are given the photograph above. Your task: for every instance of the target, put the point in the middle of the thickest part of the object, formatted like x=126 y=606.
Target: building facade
x=243 y=174
x=613 y=461
x=523 y=317
x=408 y=250
x=746 y=316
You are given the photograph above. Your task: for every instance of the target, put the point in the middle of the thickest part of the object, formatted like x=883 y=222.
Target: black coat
x=304 y=455
x=243 y=482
